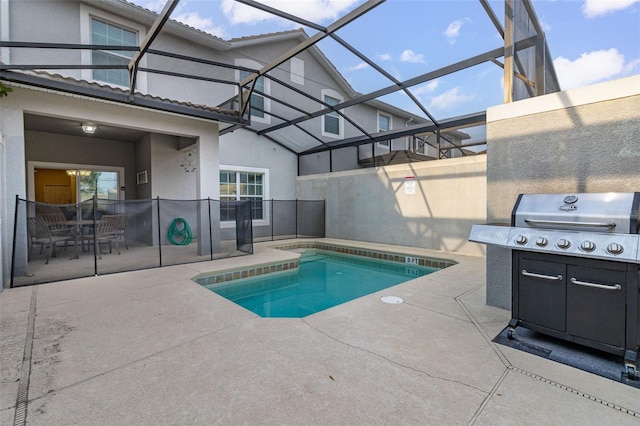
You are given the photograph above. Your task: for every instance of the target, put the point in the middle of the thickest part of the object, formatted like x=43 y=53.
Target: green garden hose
x=183 y=233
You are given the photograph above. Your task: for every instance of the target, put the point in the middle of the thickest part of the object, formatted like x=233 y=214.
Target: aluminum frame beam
x=341 y=22
x=476 y=60
x=154 y=31
x=469 y=120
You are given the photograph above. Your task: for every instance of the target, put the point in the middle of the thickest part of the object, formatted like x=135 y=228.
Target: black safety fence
x=283 y=219
x=53 y=242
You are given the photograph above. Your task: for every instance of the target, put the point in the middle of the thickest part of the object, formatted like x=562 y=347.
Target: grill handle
x=594 y=285
x=568 y=223
x=544 y=277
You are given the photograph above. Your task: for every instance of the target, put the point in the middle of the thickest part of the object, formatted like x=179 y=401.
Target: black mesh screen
x=244 y=236
x=310 y=217
x=54 y=242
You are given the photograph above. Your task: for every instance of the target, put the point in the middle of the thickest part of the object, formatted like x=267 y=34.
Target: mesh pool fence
x=53 y=242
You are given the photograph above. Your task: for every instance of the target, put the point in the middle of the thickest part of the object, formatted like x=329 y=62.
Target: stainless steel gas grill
x=576 y=263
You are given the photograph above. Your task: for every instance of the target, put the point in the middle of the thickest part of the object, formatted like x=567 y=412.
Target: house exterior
x=176 y=135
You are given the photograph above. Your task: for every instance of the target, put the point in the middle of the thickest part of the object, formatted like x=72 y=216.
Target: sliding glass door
x=99 y=184
x=57 y=183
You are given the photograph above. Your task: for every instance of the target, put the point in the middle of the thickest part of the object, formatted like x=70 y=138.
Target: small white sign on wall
x=410 y=185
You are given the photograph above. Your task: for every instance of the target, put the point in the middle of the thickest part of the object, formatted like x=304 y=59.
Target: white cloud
x=410 y=56
x=426 y=88
x=384 y=56
x=311 y=10
x=545 y=25
x=595 y=8
x=449 y=99
x=589 y=68
x=193 y=19
x=360 y=66
x=453 y=30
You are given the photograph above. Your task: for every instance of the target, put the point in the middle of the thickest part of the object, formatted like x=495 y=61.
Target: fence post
x=210 y=229
x=272 y=218
x=324 y=218
x=96 y=244
x=159 y=232
x=13 y=247
x=296 y=218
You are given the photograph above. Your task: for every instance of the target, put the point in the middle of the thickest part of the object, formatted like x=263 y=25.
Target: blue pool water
x=322 y=281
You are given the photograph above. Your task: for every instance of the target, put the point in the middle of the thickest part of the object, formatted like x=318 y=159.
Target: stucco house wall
x=579 y=140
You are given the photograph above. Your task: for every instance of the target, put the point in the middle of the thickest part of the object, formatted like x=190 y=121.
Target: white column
x=208 y=186
x=13 y=181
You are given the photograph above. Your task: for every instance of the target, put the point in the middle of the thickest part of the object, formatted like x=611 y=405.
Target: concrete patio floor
x=154 y=347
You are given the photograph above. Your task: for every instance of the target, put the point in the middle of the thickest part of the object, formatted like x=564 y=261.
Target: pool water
x=322 y=281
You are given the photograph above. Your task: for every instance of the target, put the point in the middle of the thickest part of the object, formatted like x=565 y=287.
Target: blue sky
x=590 y=41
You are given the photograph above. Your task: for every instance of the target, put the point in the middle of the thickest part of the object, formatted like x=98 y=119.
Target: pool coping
x=239 y=273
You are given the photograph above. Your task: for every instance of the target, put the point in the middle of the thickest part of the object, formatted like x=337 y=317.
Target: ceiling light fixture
x=89 y=128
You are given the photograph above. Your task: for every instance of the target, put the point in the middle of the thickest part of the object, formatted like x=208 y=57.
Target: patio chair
x=123 y=220
x=40 y=233
x=107 y=232
x=55 y=221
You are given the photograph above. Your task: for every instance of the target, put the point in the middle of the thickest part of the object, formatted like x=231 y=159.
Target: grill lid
x=598 y=212
x=595 y=225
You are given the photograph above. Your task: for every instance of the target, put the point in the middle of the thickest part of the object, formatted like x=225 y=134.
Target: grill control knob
x=563 y=243
x=615 y=248
x=587 y=246
x=542 y=242
x=521 y=239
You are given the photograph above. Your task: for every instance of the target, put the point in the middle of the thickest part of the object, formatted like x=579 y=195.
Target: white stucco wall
x=247 y=149
x=372 y=204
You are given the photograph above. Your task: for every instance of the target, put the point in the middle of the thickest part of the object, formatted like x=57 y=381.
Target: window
x=260 y=105
x=257 y=101
x=384 y=124
x=332 y=122
x=103 y=32
x=332 y=119
x=241 y=185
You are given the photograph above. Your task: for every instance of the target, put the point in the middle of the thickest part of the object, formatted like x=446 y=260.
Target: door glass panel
x=102 y=185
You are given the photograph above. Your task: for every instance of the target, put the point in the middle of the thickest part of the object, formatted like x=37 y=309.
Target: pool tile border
x=371 y=253
x=209 y=278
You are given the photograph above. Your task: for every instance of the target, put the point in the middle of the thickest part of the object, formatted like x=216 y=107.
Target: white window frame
x=266 y=218
x=333 y=94
x=86 y=14
x=387 y=143
x=248 y=63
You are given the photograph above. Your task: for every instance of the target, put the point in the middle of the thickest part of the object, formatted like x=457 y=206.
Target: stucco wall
x=581 y=140
x=372 y=204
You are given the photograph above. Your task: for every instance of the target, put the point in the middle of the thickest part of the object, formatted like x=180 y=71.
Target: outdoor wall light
x=82 y=173
x=89 y=128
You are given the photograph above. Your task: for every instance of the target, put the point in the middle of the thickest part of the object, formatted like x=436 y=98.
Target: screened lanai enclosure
x=294 y=117
x=323 y=127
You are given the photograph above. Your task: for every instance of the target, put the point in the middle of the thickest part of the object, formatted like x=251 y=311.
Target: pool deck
x=153 y=347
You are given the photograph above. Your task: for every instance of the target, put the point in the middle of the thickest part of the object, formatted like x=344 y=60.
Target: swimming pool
x=323 y=280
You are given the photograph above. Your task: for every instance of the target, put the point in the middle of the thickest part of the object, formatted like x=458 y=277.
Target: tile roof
x=121 y=91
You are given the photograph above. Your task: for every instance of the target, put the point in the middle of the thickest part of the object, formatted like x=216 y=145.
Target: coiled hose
x=183 y=233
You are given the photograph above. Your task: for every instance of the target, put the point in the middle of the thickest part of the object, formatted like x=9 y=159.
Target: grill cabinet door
x=542 y=293
x=596 y=313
